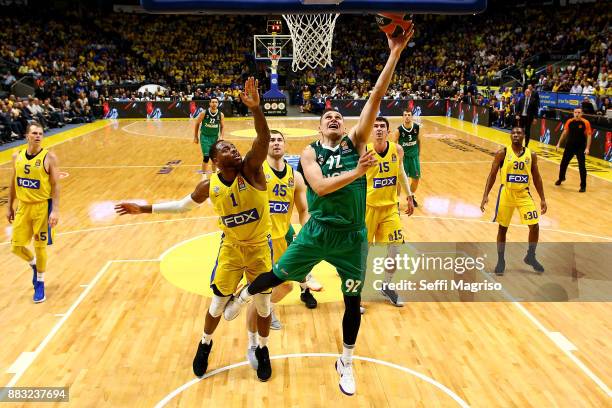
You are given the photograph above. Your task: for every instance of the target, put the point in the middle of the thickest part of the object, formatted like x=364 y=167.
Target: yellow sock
x=41 y=259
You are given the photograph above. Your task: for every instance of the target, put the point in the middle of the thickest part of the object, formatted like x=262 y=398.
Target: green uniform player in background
x=407 y=135
x=334 y=169
x=208 y=129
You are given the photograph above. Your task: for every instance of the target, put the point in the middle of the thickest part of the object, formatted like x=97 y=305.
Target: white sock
x=252 y=339
x=388 y=277
x=347 y=353
x=40 y=277
x=263 y=341
x=206 y=338
x=33 y=261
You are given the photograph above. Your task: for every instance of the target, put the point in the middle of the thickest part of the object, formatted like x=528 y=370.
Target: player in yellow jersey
x=382 y=212
x=239 y=195
x=35 y=184
x=285 y=188
x=517 y=166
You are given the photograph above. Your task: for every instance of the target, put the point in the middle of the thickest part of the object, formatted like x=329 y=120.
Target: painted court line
x=558 y=339
x=540 y=157
x=423 y=377
x=586 y=370
x=22 y=367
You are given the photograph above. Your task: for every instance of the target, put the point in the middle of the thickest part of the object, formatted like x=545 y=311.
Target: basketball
x=394 y=24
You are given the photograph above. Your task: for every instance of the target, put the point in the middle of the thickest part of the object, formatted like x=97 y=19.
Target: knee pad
x=218 y=305
x=263 y=304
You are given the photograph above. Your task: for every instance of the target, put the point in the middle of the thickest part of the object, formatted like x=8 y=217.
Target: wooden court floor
x=119 y=334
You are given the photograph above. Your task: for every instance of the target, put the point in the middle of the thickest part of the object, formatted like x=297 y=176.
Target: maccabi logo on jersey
x=242 y=218
x=37 y=163
x=268 y=177
x=393 y=158
x=518 y=178
x=216 y=189
x=28 y=183
x=279 y=207
x=385 y=182
x=241 y=184
x=290 y=182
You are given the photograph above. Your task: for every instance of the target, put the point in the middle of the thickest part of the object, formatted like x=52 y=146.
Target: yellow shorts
x=236 y=260
x=279 y=246
x=508 y=200
x=32 y=219
x=384 y=224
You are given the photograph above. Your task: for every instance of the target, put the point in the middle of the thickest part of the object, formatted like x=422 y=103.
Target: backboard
x=314 y=6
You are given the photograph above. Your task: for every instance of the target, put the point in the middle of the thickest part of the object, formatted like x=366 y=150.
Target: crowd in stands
x=15 y=114
x=107 y=56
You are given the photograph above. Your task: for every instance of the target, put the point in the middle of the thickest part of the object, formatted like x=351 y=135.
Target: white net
x=312 y=39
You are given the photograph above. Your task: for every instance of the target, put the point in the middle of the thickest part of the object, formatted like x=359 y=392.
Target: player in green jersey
x=209 y=128
x=407 y=135
x=334 y=167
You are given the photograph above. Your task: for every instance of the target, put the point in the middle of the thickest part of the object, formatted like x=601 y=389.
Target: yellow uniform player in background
x=382 y=207
x=238 y=193
x=517 y=166
x=35 y=184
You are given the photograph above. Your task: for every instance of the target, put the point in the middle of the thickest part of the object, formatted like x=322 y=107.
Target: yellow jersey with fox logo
x=516 y=170
x=383 y=178
x=32 y=183
x=244 y=212
x=281 y=190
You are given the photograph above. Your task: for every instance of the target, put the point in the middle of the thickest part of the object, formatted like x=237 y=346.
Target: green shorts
x=347 y=251
x=205 y=143
x=412 y=166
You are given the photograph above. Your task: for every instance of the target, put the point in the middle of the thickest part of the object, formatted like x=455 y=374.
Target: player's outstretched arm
x=326 y=185
x=497 y=162
x=537 y=182
x=193 y=200
x=300 y=198
x=259 y=150
x=361 y=132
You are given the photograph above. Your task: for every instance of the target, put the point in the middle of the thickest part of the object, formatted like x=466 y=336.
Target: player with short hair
x=209 y=128
x=407 y=136
x=517 y=166
x=382 y=208
x=334 y=167
x=285 y=188
x=239 y=195
x=35 y=184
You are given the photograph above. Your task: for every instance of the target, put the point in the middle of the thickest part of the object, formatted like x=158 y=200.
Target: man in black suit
x=526 y=112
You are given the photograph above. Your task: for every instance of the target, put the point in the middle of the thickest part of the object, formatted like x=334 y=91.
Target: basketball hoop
x=312 y=39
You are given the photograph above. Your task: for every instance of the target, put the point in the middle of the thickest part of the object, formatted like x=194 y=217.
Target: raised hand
x=250 y=95
x=366 y=161
x=397 y=44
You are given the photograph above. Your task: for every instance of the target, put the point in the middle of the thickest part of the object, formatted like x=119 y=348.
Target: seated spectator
x=587 y=106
